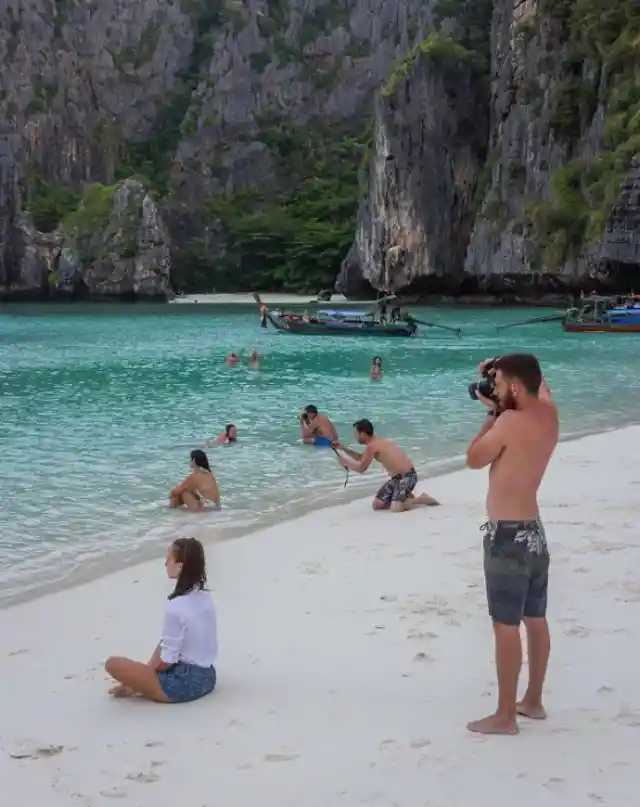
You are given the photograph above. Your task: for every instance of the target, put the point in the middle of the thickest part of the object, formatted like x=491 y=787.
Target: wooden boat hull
x=602 y=327
x=286 y=325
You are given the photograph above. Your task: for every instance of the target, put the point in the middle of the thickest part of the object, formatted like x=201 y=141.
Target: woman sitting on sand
x=182 y=667
x=199 y=491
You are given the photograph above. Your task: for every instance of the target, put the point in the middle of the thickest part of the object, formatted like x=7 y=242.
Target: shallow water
x=102 y=404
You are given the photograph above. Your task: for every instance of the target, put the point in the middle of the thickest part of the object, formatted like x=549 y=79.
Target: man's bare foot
x=121 y=691
x=537 y=712
x=494 y=724
x=427 y=500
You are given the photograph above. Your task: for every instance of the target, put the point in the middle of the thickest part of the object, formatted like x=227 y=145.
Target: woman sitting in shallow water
x=200 y=489
x=182 y=667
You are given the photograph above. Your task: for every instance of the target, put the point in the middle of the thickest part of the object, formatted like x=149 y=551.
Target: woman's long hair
x=200 y=459
x=190 y=553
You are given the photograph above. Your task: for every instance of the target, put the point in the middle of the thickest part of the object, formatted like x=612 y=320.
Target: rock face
x=244 y=123
x=78 y=83
x=115 y=245
x=621 y=242
x=430 y=138
x=191 y=96
x=564 y=125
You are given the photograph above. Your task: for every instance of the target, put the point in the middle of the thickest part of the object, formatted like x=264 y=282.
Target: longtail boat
x=611 y=313
x=334 y=322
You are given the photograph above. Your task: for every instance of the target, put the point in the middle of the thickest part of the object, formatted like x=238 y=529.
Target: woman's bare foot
x=121 y=691
x=494 y=724
x=533 y=711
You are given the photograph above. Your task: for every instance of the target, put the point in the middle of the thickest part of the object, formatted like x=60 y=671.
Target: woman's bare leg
x=138 y=678
x=191 y=501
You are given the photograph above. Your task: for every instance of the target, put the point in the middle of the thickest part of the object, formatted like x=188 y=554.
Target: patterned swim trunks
x=398 y=487
x=516 y=569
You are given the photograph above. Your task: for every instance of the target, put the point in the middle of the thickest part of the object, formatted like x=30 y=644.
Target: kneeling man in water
x=199 y=491
x=317 y=429
x=397 y=493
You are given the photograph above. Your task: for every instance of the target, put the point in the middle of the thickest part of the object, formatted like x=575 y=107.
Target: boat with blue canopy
x=345 y=322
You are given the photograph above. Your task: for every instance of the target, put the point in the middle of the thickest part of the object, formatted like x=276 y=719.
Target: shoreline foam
x=353 y=652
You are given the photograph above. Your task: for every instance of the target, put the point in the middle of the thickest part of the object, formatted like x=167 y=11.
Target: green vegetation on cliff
x=466 y=46
x=292 y=235
x=602 y=40
x=439 y=50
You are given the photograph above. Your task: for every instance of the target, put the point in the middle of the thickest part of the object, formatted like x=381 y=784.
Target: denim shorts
x=186 y=682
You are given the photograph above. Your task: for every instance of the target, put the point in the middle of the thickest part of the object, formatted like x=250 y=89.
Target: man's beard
x=508 y=401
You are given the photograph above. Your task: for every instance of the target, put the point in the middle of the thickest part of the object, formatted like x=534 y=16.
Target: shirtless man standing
x=517 y=441
x=397 y=492
x=317 y=429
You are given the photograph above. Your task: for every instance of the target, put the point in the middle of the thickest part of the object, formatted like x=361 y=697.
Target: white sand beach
x=267 y=298
x=354 y=649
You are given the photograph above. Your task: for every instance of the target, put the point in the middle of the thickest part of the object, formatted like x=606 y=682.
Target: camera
x=487 y=385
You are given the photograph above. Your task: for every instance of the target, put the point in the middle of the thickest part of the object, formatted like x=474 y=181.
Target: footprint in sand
x=423 y=657
x=153 y=744
x=39 y=753
x=114 y=793
x=312 y=568
x=416 y=744
x=414 y=633
x=606 y=689
x=20 y=652
x=595 y=797
x=628 y=717
x=579 y=631
x=146 y=778
x=286 y=757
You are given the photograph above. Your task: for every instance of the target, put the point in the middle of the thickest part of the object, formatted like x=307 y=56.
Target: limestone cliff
x=430 y=145
x=479 y=140
x=557 y=199
x=223 y=109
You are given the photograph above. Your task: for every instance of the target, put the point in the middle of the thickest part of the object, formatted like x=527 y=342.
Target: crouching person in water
x=199 y=491
x=182 y=667
x=397 y=493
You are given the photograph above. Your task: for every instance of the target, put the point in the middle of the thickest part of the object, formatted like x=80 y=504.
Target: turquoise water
x=102 y=404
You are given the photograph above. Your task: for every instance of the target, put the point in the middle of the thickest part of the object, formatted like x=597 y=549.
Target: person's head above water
x=377 y=360
x=186 y=564
x=230 y=432
x=311 y=411
x=199 y=459
x=364 y=430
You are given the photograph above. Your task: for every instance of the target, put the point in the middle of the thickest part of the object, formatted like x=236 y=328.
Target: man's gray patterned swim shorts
x=516 y=570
